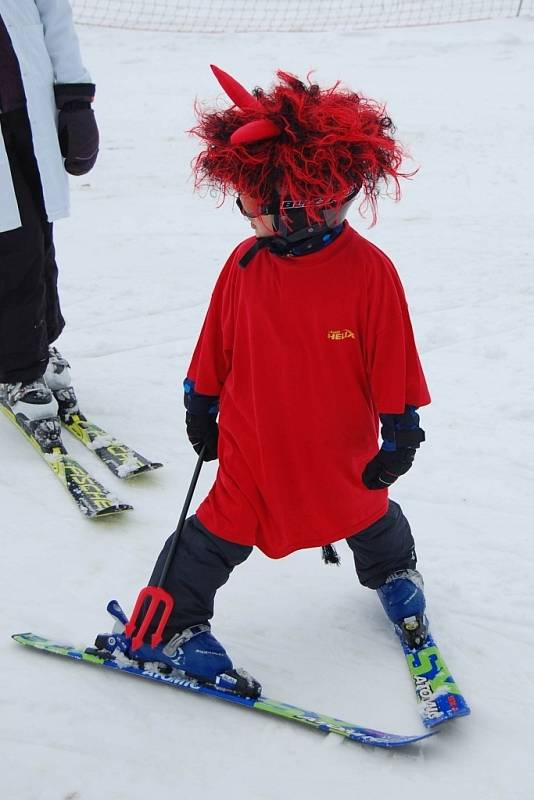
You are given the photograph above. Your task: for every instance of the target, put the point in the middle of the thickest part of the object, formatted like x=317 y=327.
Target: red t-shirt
x=304 y=352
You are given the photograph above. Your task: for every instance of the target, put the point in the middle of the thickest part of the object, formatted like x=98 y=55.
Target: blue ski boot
x=195 y=651
x=404 y=602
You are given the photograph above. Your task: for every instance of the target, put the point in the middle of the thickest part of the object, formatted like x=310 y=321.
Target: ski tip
x=108 y=511
x=20 y=637
x=127 y=473
x=29 y=638
x=380 y=739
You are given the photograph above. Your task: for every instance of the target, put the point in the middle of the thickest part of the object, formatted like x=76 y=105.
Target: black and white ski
x=122 y=460
x=92 y=499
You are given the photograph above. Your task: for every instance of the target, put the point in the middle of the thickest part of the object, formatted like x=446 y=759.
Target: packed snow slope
x=138 y=260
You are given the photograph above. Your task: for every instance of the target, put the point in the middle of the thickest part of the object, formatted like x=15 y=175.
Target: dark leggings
x=203 y=563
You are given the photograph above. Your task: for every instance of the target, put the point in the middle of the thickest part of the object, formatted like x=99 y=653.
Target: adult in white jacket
x=48 y=129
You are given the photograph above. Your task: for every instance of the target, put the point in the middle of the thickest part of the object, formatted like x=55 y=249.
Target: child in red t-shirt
x=306 y=349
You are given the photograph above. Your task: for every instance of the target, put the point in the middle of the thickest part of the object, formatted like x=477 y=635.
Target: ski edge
x=320 y=722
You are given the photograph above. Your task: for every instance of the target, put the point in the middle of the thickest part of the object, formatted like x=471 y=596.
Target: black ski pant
x=203 y=563
x=30 y=314
x=384 y=547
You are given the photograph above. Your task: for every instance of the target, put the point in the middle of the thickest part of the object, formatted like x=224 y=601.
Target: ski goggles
x=287 y=206
x=258 y=211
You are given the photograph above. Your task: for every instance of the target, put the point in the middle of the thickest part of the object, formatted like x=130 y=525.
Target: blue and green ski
x=177 y=680
x=438 y=696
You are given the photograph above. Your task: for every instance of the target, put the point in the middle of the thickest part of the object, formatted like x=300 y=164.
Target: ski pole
x=156 y=596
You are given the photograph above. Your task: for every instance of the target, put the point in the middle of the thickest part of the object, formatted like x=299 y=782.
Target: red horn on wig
x=235 y=91
x=253 y=131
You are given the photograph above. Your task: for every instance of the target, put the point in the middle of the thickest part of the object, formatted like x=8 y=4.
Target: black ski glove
x=201 y=420
x=77 y=129
x=202 y=429
x=387 y=466
x=401 y=436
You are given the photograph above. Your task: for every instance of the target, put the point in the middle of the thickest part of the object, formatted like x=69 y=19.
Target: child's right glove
x=401 y=437
x=201 y=420
x=202 y=429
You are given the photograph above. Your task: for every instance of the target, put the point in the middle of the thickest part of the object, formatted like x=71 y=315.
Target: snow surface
x=138 y=261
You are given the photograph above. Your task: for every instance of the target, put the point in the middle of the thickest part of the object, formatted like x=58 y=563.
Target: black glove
x=77 y=129
x=202 y=429
x=201 y=420
x=387 y=466
x=401 y=435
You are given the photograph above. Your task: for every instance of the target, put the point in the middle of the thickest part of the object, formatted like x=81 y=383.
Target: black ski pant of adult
x=30 y=314
x=203 y=563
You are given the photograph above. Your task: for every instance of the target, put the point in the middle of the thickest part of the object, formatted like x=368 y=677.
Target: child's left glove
x=77 y=129
x=386 y=467
x=401 y=437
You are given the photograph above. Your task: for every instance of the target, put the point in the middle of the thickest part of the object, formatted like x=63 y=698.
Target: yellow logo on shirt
x=337 y=336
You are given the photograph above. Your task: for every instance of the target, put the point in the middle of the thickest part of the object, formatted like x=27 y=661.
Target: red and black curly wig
x=297 y=141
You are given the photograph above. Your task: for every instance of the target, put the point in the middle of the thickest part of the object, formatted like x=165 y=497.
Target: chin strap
x=259 y=244
x=297 y=244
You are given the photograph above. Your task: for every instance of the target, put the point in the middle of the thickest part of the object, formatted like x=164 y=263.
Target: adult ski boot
x=29 y=402
x=58 y=379
x=194 y=651
x=403 y=599
x=57 y=375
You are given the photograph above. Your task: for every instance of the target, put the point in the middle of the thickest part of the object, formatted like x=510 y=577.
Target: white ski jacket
x=46 y=45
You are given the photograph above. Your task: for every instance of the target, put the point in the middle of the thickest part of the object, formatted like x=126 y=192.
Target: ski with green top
x=178 y=680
